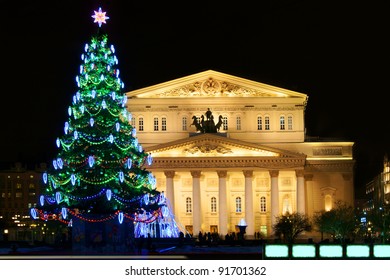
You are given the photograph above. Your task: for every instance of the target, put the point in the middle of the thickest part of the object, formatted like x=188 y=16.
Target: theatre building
x=228 y=150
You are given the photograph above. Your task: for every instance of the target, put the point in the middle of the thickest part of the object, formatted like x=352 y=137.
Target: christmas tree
x=99 y=173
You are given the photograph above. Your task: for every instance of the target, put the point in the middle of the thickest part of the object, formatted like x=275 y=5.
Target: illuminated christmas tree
x=99 y=173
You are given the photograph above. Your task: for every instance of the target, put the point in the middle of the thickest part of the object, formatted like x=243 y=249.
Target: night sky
x=336 y=52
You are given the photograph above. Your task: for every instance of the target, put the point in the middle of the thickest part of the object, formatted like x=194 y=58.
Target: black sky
x=336 y=52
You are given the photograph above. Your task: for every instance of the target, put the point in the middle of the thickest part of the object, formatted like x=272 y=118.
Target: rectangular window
x=133 y=121
x=184 y=123
x=141 y=124
x=238 y=123
x=163 y=124
x=289 y=122
x=225 y=123
x=155 y=124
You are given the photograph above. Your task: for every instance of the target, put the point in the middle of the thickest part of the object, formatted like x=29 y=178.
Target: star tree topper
x=100 y=17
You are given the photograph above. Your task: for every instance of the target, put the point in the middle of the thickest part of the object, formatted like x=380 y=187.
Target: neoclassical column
x=274 y=195
x=250 y=221
x=196 y=213
x=222 y=203
x=301 y=197
x=169 y=192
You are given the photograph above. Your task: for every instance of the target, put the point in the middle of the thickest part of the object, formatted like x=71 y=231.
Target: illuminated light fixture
x=381 y=251
x=146 y=199
x=140 y=148
x=358 y=251
x=42 y=200
x=82 y=108
x=73 y=179
x=64 y=212
x=276 y=251
x=58 y=197
x=129 y=163
x=34 y=213
x=60 y=163
x=108 y=194
x=120 y=217
x=44 y=176
x=55 y=164
x=100 y=17
x=304 y=251
x=86 y=48
x=150 y=159
x=91 y=121
x=331 y=251
x=165 y=211
x=121 y=176
x=112 y=49
x=111 y=139
x=91 y=161
x=58 y=143
x=104 y=104
x=66 y=127
x=113 y=96
x=93 y=93
x=76 y=135
x=117 y=126
x=133 y=132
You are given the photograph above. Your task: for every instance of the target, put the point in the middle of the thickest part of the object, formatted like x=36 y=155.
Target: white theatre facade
x=258 y=165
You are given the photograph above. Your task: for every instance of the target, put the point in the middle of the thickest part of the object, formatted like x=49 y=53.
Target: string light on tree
x=99 y=172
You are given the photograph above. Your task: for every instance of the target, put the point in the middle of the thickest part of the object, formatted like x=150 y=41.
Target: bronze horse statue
x=207 y=125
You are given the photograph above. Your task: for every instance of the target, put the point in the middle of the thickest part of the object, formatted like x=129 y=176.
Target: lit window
x=141 y=124
x=259 y=123
x=188 y=205
x=213 y=205
x=18 y=194
x=263 y=204
x=282 y=124
x=184 y=123
x=163 y=124
x=155 y=124
x=225 y=123
x=290 y=122
x=238 y=123
x=18 y=185
x=267 y=125
x=133 y=121
x=238 y=205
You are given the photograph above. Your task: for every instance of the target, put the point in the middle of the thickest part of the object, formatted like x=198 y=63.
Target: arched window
x=259 y=123
x=282 y=123
x=289 y=122
x=184 y=123
x=267 y=124
x=188 y=205
x=263 y=204
x=238 y=205
x=213 y=205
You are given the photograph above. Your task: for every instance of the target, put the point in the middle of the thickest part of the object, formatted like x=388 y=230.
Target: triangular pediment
x=214 y=145
x=210 y=84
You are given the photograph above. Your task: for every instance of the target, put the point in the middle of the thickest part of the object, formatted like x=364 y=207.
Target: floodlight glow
x=304 y=251
x=276 y=251
x=358 y=251
x=331 y=251
x=382 y=251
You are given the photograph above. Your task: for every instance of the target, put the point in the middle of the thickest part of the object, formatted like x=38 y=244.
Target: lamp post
x=242 y=226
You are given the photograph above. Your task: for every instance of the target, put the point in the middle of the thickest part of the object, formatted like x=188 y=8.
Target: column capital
x=299 y=172
x=247 y=173
x=222 y=173
x=308 y=177
x=169 y=173
x=274 y=173
x=196 y=173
